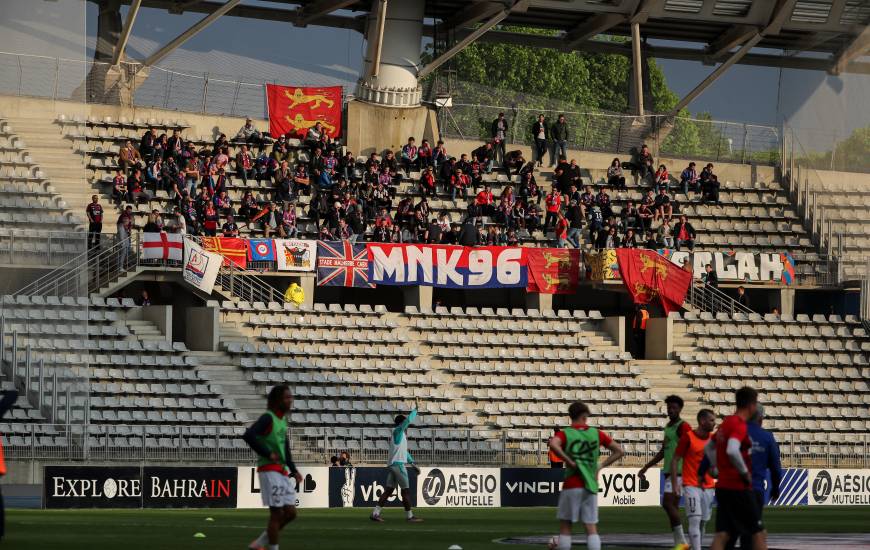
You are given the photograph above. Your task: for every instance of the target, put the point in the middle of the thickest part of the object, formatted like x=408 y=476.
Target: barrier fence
x=222 y=444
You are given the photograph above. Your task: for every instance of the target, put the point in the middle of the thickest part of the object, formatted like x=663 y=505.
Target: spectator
x=94 y=212
x=483 y=203
x=433 y=232
x=410 y=159
x=124 y=227
x=223 y=204
x=644 y=162
x=179 y=225
x=651 y=242
x=312 y=137
x=554 y=205
x=687 y=267
x=251 y=136
x=229 y=228
x=347 y=166
x=630 y=239
x=569 y=175
x=533 y=218
x=459 y=183
x=147 y=144
x=344 y=459
x=615 y=179
x=498 y=133
x=560 y=232
x=119 y=187
x=485 y=156
x=689 y=179
x=662 y=180
x=267 y=219
x=710 y=189
x=424 y=154
x=129 y=158
x=540 y=135
x=645 y=216
x=513 y=160
x=575 y=218
x=137 y=193
x=428 y=182
x=333 y=461
x=439 y=154
x=607 y=239
x=175 y=146
x=741 y=298
x=559 y=135
x=244 y=165
x=665 y=235
x=144 y=299
x=629 y=215
x=710 y=278
x=356 y=222
x=529 y=189
x=468 y=235
x=662 y=206
x=602 y=200
x=210 y=219
x=684 y=234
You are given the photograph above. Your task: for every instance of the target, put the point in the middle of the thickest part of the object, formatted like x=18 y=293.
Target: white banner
x=750 y=267
x=200 y=266
x=839 y=487
x=295 y=254
x=623 y=487
x=162 y=246
x=459 y=487
x=313 y=492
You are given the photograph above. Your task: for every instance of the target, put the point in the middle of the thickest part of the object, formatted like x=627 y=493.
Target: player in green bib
x=579 y=447
x=268 y=438
x=674 y=430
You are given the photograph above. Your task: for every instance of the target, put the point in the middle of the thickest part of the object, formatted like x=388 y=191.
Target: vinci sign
x=447 y=266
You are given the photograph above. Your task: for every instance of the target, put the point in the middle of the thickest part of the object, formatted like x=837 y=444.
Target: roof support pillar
x=125 y=32
x=376 y=45
x=636 y=70
x=158 y=56
x=719 y=71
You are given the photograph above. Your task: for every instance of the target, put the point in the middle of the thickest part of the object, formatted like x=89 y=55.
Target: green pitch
x=339 y=529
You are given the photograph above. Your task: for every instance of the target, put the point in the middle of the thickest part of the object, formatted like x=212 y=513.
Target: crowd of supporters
x=386 y=198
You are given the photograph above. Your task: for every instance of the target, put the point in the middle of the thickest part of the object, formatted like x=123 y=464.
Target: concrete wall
x=371 y=128
x=659 y=338
x=615 y=328
x=161 y=316
x=202 y=329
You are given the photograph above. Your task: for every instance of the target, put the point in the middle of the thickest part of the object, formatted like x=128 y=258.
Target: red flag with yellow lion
x=295 y=110
x=553 y=270
x=649 y=276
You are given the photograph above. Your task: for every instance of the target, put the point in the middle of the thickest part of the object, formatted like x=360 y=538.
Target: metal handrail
x=713 y=300
x=243 y=283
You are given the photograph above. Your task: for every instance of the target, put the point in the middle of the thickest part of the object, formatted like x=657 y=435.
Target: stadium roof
x=829 y=35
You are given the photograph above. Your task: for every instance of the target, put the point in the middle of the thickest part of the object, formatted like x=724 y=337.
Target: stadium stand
x=491 y=380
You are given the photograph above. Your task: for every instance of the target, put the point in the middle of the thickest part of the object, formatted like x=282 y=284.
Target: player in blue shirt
x=764 y=457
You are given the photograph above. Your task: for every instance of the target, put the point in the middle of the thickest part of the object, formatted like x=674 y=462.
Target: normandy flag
x=294 y=110
x=647 y=276
x=232 y=249
x=553 y=270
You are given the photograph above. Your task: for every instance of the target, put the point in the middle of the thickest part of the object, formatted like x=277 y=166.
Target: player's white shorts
x=698 y=502
x=669 y=486
x=578 y=505
x=277 y=490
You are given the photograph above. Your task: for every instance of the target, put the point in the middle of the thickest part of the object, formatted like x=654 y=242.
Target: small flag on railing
x=261 y=250
x=162 y=246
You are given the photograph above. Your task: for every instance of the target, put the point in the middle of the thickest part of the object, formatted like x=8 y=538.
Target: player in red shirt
x=737 y=513
x=578 y=445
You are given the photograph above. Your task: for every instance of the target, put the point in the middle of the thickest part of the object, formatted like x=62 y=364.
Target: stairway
x=665 y=378
x=144 y=331
x=64 y=169
x=218 y=368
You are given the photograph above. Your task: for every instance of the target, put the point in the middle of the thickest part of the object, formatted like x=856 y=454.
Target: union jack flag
x=342 y=263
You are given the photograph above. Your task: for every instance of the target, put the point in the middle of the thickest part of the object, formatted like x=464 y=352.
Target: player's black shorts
x=737 y=512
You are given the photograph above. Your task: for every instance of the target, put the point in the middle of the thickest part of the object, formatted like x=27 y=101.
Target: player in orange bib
x=697 y=493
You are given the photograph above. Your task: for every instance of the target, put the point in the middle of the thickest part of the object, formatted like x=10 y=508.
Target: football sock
x=262 y=540
x=593 y=542
x=695 y=532
x=410 y=514
x=564 y=542
x=679 y=536
x=273 y=547
x=377 y=511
